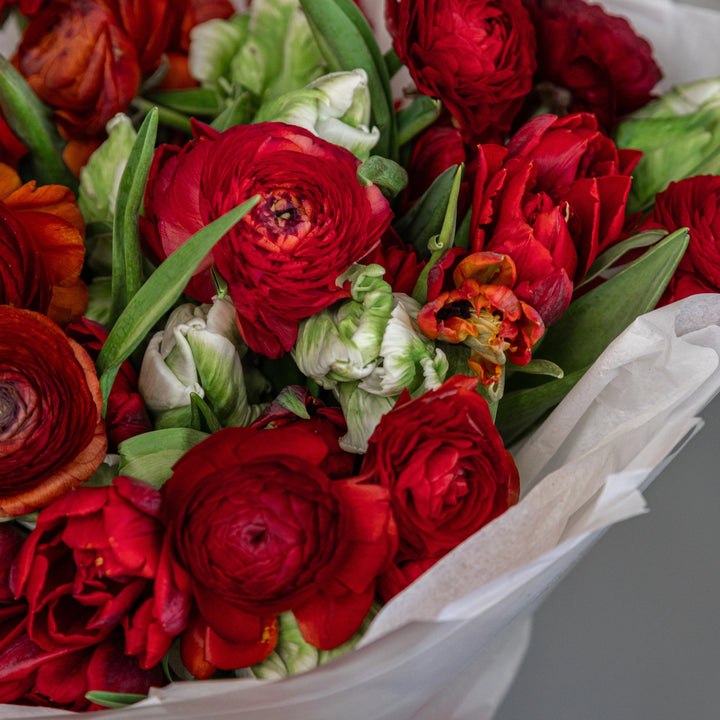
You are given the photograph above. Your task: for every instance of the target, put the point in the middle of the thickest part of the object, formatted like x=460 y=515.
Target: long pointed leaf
x=30 y=120
x=161 y=290
x=347 y=42
x=126 y=255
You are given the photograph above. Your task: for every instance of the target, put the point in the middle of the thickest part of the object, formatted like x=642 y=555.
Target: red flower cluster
x=86 y=58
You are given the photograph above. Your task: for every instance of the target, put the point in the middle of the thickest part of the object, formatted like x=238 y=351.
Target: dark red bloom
x=447 y=478
x=326 y=422
x=477 y=56
x=126 y=414
x=608 y=69
x=692 y=203
x=401 y=263
x=52 y=436
x=26 y=7
x=78 y=60
x=552 y=200
x=256 y=528
x=89 y=565
x=313 y=221
x=11 y=147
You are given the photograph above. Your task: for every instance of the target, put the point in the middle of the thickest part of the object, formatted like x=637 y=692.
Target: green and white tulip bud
x=199 y=351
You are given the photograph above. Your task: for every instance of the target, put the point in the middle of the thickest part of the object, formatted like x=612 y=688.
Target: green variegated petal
x=358 y=140
x=345 y=96
x=100 y=178
x=213 y=45
x=362 y=411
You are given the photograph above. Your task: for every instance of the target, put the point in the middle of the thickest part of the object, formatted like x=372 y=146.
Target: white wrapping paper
x=449 y=646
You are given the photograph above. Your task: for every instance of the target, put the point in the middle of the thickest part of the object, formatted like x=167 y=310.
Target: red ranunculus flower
x=326 y=422
x=42 y=237
x=126 y=414
x=52 y=435
x=608 y=69
x=552 y=200
x=477 y=56
x=89 y=565
x=447 y=478
x=255 y=528
x=78 y=60
x=693 y=203
x=281 y=260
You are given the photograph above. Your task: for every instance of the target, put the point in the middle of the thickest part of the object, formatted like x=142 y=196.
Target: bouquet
x=324 y=362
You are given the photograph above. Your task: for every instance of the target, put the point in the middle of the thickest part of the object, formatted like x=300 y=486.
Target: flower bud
x=200 y=352
x=335 y=107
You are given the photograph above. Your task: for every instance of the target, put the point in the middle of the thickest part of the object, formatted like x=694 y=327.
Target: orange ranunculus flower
x=79 y=60
x=49 y=215
x=52 y=434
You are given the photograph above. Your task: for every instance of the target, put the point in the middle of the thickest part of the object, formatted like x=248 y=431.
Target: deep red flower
x=447 y=478
x=256 y=528
x=126 y=414
x=608 y=69
x=78 y=60
x=552 y=200
x=52 y=436
x=26 y=7
x=11 y=147
x=281 y=261
x=326 y=422
x=477 y=56
x=89 y=565
x=401 y=263
x=692 y=203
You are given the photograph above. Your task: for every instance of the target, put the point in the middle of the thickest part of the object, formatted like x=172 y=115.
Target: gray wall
x=633 y=633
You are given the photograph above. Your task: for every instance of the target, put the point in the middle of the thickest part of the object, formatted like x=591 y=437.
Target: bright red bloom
x=484 y=313
x=401 y=263
x=692 y=203
x=477 y=56
x=447 y=478
x=11 y=147
x=256 y=528
x=326 y=422
x=78 y=60
x=89 y=565
x=552 y=200
x=126 y=414
x=281 y=260
x=52 y=435
x=608 y=69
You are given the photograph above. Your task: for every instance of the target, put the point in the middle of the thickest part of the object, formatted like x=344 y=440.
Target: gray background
x=633 y=633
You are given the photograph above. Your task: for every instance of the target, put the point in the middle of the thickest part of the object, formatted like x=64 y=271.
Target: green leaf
x=150 y=456
x=426 y=216
x=613 y=254
x=160 y=291
x=538 y=367
x=392 y=62
x=588 y=326
x=113 y=700
x=418 y=116
x=290 y=401
x=201 y=415
x=518 y=411
x=167 y=116
x=390 y=177
x=442 y=242
x=126 y=254
x=347 y=42
x=595 y=319
x=30 y=120
x=192 y=101
x=238 y=112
